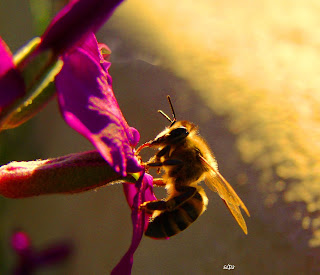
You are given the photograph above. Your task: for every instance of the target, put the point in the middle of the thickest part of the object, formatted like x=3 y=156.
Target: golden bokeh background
x=247 y=73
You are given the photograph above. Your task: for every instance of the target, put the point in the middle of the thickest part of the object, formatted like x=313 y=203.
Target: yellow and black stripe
x=169 y=223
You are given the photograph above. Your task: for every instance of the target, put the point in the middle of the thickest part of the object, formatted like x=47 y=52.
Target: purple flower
x=30 y=260
x=72 y=24
x=75 y=21
x=88 y=105
x=69 y=174
x=11 y=82
x=84 y=88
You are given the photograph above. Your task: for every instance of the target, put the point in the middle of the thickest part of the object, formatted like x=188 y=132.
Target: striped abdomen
x=169 y=223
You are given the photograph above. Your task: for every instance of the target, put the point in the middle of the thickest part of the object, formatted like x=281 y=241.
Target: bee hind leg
x=187 y=193
x=151 y=206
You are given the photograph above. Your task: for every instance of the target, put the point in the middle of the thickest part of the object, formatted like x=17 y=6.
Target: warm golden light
x=258 y=62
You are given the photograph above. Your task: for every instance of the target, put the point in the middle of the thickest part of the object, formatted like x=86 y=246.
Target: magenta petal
x=74 y=21
x=143 y=192
x=131 y=191
x=11 y=82
x=135 y=137
x=135 y=194
x=89 y=106
x=90 y=46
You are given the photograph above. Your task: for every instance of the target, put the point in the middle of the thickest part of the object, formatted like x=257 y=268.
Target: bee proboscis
x=185 y=159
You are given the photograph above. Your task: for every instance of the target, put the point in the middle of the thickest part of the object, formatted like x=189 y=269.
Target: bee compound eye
x=180 y=132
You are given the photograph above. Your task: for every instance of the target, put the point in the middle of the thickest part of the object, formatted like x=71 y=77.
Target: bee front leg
x=158 y=164
x=168 y=162
x=145 y=145
x=159 y=182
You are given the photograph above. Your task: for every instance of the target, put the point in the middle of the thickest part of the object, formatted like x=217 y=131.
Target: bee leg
x=147 y=144
x=158 y=165
x=159 y=182
x=187 y=192
x=151 y=206
x=154 y=164
x=168 y=162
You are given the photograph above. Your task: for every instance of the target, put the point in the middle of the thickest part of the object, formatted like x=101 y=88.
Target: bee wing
x=217 y=183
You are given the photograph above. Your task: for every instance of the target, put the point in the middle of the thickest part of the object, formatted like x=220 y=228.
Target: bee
x=186 y=160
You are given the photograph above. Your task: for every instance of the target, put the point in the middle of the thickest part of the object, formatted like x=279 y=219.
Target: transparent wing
x=217 y=183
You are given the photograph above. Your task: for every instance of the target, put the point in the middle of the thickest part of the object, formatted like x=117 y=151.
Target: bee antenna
x=173 y=113
x=165 y=115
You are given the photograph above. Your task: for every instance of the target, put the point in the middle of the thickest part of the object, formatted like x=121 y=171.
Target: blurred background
x=245 y=72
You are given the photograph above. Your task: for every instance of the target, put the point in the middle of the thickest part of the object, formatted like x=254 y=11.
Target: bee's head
x=173 y=134
x=176 y=132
